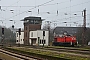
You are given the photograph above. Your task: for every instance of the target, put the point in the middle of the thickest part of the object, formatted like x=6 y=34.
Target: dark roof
x=69 y=30
x=32 y=18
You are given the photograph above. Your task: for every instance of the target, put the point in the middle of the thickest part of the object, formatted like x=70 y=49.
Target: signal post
x=2 y=36
x=19 y=31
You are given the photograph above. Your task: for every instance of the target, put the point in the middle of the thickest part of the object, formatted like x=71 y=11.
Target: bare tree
x=47 y=26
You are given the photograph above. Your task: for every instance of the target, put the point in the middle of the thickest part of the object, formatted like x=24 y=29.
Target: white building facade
x=89 y=43
x=20 y=38
x=39 y=37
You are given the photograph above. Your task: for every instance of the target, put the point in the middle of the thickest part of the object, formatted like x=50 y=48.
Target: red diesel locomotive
x=65 y=40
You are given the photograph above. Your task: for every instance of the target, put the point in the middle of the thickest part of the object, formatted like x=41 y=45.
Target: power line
x=75 y=5
x=15 y=2
x=7 y=7
x=18 y=6
x=56 y=3
x=11 y=4
x=60 y=13
x=32 y=8
x=65 y=19
x=35 y=5
x=69 y=17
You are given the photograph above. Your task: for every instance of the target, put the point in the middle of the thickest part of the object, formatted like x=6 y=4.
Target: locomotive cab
x=64 y=40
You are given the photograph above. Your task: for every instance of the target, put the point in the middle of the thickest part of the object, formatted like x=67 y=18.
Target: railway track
x=67 y=49
x=72 y=50
x=19 y=55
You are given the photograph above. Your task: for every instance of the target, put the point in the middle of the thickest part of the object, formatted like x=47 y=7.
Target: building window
x=17 y=40
x=26 y=28
x=40 y=41
x=17 y=34
x=32 y=22
x=36 y=22
x=31 y=34
x=26 y=34
x=21 y=39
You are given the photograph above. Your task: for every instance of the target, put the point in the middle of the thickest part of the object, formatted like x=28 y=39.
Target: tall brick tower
x=30 y=24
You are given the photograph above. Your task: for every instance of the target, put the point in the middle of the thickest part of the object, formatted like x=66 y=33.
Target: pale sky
x=21 y=7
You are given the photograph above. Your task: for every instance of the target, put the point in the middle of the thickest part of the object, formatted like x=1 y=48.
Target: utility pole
x=84 y=27
x=43 y=38
x=48 y=23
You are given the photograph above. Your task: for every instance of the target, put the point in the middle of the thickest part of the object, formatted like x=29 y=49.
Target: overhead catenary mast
x=84 y=27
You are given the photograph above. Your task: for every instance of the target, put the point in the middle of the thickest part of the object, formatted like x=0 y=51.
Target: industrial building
x=30 y=24
x=32 y=32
